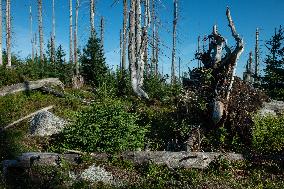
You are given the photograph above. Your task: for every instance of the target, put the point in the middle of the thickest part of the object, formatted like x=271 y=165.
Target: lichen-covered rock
x=46 y=124
x=98 y=174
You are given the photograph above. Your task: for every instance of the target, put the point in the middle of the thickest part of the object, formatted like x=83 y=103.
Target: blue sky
x=196 y=17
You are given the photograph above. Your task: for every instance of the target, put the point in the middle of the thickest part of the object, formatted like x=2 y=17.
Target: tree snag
x=40 y=29
x=137 y=42
x=223 y=68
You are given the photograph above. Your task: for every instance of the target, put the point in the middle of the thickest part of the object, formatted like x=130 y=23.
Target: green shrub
x=268 y=134
x=105 y=127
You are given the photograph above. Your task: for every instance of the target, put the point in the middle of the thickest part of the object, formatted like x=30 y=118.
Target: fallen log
x=26 y=117
x=28 y=160
x=199 y=160
x=30 y=85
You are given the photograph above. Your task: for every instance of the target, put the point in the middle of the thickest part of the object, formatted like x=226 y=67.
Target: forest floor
x=16 y=140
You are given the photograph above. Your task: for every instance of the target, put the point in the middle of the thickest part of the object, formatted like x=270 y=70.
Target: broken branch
x=28 y=116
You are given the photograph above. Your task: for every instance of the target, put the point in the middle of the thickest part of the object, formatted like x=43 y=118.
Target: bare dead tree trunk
x=173 y=68
x=136 y=47
x=237 y=52
x=198 y=51
x=31 y=33
x=248 y=74
x=53 y=33
x=146 y=20
x=40 y=29
x=120 y=49
x=70 y=31
x=36 y=47
x=76 y=39
x=124 y=36
x=144 y=39
x=156 y=47
x=92 y=16
x=1 y=60
x=8 y=28
x=256 y=69
x=179 y=61
x=153 y=59
x=102 y=31
x=230 y=62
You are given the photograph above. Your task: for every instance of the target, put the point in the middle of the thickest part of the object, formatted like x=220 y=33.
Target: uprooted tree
x=222 y=68
x=215 y=97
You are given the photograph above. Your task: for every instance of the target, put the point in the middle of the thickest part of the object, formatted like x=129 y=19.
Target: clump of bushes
x=268 y=134
x=106 y=126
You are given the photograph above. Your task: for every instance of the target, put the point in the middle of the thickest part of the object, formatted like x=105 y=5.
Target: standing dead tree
x=173 y=68
x=102 y=27
x=31 y=33
x=223 y=68
x=136 y=46
x=92 y=16
x=1 y=61
x=256 y=59
x=8 y=32
x=40 y=29
x=124 y=36
x=76 y=38
x=154 y=61
x=53 y=33
x=70 y=31
x=77 y=79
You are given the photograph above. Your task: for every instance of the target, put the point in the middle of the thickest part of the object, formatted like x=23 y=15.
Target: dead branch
x=237 y=52
x=26 y=117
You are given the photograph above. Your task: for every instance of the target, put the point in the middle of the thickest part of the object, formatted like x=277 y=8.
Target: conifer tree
x=274 y=71
x=94 y=69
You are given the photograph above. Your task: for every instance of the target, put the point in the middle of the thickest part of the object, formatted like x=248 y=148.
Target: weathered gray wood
x=199 y=160
x=30 y=85
x=27 y=160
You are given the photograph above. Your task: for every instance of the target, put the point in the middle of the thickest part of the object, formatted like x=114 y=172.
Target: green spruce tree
x=60 y=55
x=274 y=71
x=94 y=69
